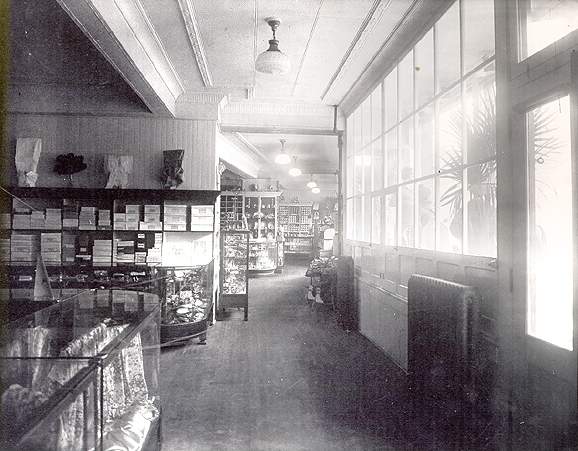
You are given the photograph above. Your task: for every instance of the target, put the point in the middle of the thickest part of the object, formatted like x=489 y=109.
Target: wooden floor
x=288 y=379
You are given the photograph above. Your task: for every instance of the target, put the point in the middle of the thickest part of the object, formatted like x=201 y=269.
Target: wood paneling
x=143 y=138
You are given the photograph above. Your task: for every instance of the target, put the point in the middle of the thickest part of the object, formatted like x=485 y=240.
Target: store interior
x=288 y=225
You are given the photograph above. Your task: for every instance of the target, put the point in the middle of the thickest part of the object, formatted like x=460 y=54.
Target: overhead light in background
x=315 y=190
x=311 y=183
x=282 y=157
x=295 y=171
x=273 y=61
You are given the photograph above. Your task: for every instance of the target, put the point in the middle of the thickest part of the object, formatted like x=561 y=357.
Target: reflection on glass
x=366 y=121
x=377 y=165
x=406 y=150
x=358 y=174
x=367 y=218
x=447 y=48
x=425 y=227
x=376 y=228
x=550 y=259
x=406 y=230
x=481 y=207
x=405 y=80
x=390 y=99
x=358 y=219
x=391 y=157
x=480 y=114
x=350 y=217
x=449 y=214
x=450 y=130
x=478 y=32
x=391 y=219
x=424 y=142
x=424 y=69
x=544 y=22
x=376 y=112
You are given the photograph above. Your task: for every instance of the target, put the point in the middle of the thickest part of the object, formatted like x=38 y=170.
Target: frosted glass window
x=376 y=119
x=349 y=135
x=481 y=208
x=357 y=131
x=450 y=130
x=480 y=114
x=367 y=218
x=406 y=205
x=425 y=211
x=376 y=215
x=424 y=69
x=391 y=157
x=424 y=142
x=367 y=170
x=449 y=214
x=543 y=22
x=550 y=258
x=447 y=48
x=390 y=237
x=406 y=150
x=477 y=32
x=350 y=218
x=358 y=219
x=366 y=121
x=358 y=174
x=377 y=165
x=390 y=99
x=349 y=177
x=405 y=83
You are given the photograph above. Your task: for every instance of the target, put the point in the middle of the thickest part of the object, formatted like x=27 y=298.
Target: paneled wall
x=94 y=137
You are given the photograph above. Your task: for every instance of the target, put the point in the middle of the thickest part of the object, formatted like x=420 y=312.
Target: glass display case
x=187 y=303
x=83 y=374
x=234 y=270
x=262 y=256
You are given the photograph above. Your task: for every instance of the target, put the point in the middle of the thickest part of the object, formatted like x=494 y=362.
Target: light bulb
x=295 y=171
x=282 y=158
x=316 y=190
x=311 y=184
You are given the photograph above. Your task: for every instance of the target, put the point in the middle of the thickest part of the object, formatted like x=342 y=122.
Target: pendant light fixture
x=273 y=61
x=311 y=183
x=295 y=171
x=282 y=157
x=315 y=190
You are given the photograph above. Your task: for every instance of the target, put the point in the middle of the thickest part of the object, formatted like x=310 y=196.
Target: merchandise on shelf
x=234 y=256
x=187 y=297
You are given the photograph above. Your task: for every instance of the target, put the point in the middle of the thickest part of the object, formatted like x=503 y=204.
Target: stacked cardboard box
x=132 y=217
x=152 y=218
x=104 y=220
x=123 y=251
x=102 y=252
x=68 y=248
x=175 y=217
x=21 y=218
x=87 y=218
x=154 y=249
x=4 y=249
x=202 y=218
x=53 y=219
x=37 y=220
x=84 y=253
x=140 y=252
x=120 y=221
x=23 y=248
x=51 y=248
x=69 y=217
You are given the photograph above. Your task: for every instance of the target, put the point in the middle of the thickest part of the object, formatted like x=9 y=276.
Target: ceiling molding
x=200 y=105
x=188 y=13
x=122 y=32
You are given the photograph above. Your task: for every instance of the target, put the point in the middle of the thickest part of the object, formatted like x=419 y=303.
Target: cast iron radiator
x=443 y=329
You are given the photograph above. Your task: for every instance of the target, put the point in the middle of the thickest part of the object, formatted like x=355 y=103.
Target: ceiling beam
x=123 y=33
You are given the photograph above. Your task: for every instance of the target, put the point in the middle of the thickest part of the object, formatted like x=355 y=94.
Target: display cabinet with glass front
x=83 y=374
x=262 y=257
x=234 y=270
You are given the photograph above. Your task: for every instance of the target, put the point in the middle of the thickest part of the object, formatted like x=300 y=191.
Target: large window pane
x=480 y=114
x=376 y=215
x=543 y=22
x=390 y=99
x=406 y=205
x=377 y=165
x=376 y=119
x=391 y=157
x=350 y=165
x=447 y=48
x=350 y=142
x=358 y=174
x=424 y=69
x=449 y=213
x=550 y=259
x=366 y=121
x=406 y=150
x=424 y=142
x=425 y=227
x=350 y=217
x=405 y=82
x=367 y=218
x=481 y=207
x=357 y=130
x=450 y=130
x=478 y=32
x=358 y=219
x=367 y=170
x=391 y=219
